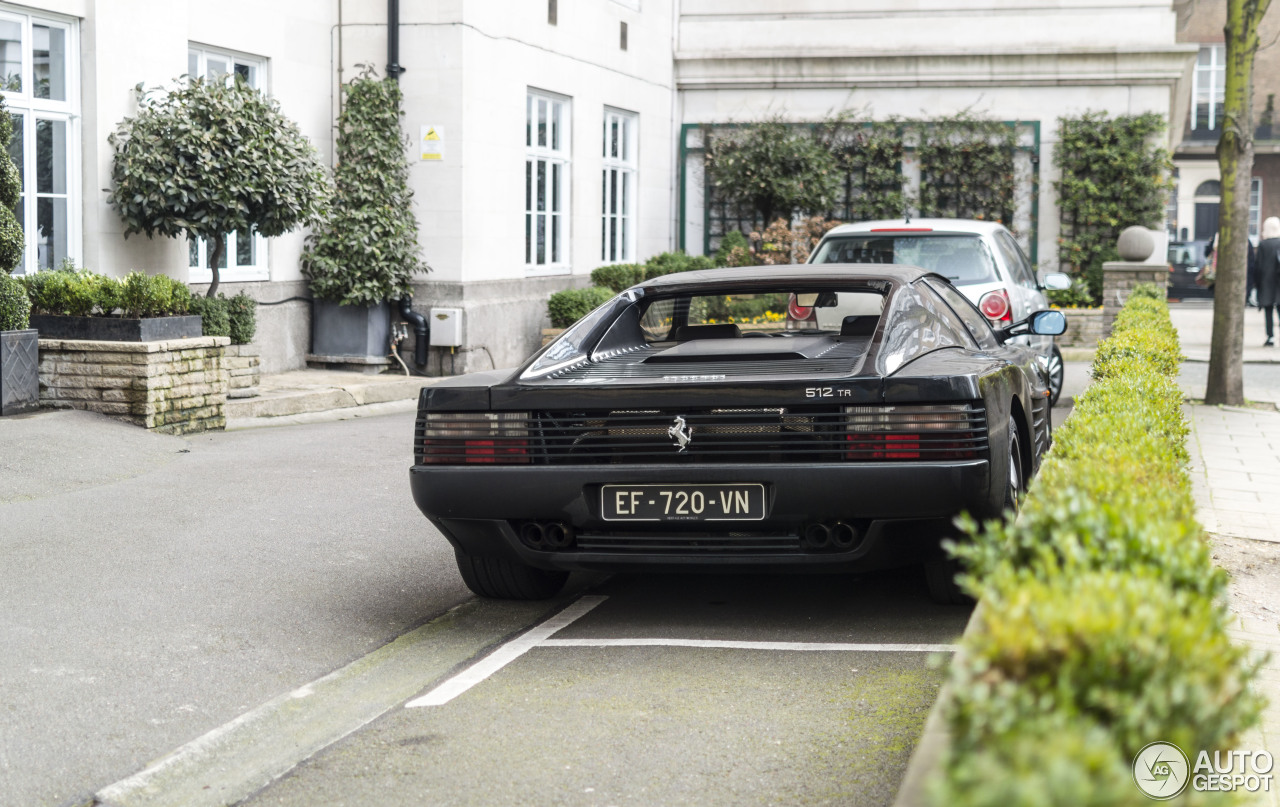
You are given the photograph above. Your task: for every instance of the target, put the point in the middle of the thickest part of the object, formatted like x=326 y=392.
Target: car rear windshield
x=964 y=259
x=729 y=314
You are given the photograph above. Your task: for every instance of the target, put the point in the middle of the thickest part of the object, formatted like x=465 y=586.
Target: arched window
x=1211 y=187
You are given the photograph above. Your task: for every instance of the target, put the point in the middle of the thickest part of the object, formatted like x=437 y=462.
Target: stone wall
x=244 y=370
x=1119 y=278
x=172 y=387
x=1084 y=327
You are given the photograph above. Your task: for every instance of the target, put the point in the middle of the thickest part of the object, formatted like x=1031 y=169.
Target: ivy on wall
x=966 y=169
x=848 y=168
x=1113 y=175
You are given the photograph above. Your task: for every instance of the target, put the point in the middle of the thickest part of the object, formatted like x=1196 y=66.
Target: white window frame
x=1199 y=75
x=33 y=110
x=618 y=186
x=550 y=150
x=198 y=57
x=1255 y=208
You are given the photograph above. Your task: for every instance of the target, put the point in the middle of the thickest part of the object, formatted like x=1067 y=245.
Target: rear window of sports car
x=964 y=259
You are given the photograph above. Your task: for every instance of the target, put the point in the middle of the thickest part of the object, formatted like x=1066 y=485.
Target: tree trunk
x=216 y=247
x=1235 y=164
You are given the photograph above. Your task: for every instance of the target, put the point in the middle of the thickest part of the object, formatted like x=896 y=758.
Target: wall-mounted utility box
x=446 y=327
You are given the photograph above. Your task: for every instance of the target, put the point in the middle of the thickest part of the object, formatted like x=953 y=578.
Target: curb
x=325 y=416
x=926 y=760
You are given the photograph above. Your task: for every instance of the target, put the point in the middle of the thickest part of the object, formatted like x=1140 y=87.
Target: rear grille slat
x=692 y=544
x=768 y=435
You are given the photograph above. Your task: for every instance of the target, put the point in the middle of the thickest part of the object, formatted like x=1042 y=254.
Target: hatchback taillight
x=800 y=317
x=474 y=438
x=995 y=306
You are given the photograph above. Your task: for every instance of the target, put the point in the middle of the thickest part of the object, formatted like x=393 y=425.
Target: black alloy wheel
x=1055 y=372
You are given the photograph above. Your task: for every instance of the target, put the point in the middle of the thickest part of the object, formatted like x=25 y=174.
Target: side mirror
x=1047 y=323
x=1056 y=281
x=1042 y=323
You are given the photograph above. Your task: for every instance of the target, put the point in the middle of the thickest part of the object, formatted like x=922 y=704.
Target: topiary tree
x=210 y=157
x=366 y=251
x=12 y=241
x=774 y=168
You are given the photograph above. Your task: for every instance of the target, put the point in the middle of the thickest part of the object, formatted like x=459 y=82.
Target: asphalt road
x=249 y=599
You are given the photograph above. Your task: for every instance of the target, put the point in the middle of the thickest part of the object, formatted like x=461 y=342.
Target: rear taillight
x=937 y=431
x=995 y=306
x=474 y=438
x=800 y=316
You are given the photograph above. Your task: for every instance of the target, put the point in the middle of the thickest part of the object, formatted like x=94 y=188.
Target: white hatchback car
x=981 y=258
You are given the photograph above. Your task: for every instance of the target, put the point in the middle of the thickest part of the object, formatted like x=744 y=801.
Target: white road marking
x=718 y=644
x=490 y=664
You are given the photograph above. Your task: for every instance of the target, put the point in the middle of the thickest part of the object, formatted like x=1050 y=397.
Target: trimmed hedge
x=68 y=292
x=568 y=306
x=1103 y=624
x=15 y=308
x=235 y=317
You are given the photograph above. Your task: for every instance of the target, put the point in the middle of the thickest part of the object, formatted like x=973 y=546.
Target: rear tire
x=1056 y=374
x=940 y=576
x=940 y=571
x=503 y=579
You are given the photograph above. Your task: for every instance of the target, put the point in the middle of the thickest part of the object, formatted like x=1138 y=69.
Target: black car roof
x=899 y=274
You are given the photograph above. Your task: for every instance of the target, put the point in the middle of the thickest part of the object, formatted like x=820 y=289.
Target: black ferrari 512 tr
x=790 y=418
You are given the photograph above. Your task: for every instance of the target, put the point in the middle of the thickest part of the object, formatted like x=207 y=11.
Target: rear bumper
x=896 y=507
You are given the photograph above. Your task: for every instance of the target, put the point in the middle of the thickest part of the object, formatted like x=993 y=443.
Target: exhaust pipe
x=844 y=536
x=533 y=535
x=817 y=536
x=558 y=536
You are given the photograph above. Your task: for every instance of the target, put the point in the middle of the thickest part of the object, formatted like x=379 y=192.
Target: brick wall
x=1084 y=327
x=1119 y=278
x=173 y=387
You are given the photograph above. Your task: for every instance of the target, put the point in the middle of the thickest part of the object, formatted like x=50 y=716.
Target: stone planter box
x=19 y=377
x=1084 y=327
x=114 y=329
x=174 y=387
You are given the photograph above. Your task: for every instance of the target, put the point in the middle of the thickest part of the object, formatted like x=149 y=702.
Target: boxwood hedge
x=1102 y=623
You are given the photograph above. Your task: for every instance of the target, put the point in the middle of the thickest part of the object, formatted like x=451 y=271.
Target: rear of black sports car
x=793 y=451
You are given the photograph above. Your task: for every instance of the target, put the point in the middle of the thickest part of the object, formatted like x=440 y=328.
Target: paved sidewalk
x=306 y=396
x=1235 y=476
x=1194 y=321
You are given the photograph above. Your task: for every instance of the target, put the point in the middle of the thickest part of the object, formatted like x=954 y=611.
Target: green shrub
x=242 y=311
x=734 y=250
x=1076 y=296
x=79 y=293
x=568 y=306
x=669 y=263
x=15 y=307
x=618 y=276
x=1117 y=648
x=215 y=315
x=1101 y=628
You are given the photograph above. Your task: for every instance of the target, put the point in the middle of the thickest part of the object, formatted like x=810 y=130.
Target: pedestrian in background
x=1267 y=261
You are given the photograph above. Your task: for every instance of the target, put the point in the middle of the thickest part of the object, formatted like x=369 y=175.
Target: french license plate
x=736 y=502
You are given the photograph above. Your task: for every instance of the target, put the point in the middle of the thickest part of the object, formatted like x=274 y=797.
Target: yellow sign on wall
x=432 y=143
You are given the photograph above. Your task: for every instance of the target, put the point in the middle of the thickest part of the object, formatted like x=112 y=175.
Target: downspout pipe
x=421 y=328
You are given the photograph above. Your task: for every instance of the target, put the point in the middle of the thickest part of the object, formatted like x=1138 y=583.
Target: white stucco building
x=561 y=127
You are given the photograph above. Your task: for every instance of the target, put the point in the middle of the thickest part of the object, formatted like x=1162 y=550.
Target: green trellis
x=967 y=169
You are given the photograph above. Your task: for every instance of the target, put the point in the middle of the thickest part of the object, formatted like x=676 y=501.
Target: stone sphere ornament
x=1135 y=244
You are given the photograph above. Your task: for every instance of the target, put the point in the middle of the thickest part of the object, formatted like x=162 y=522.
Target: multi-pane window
x=618 y=187
x=38 y=79
x=546 y=182
x=1255 y=207
x=1208 y=84
x=244 y=256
